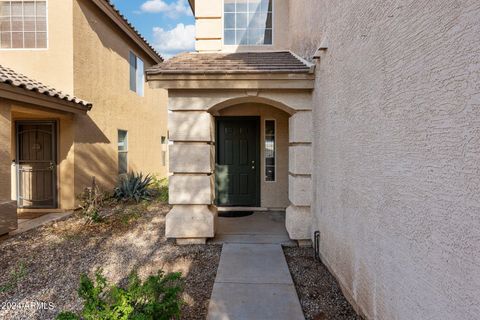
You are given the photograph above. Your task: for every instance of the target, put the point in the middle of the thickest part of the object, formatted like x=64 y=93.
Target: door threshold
x=227 y=209
x=41 y=210
x=24 y=213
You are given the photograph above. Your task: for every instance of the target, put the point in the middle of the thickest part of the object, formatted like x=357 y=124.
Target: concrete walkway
x=28 y=224
x=253 y=281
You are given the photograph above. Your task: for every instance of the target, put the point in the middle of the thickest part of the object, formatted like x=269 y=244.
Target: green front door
x=237 y=178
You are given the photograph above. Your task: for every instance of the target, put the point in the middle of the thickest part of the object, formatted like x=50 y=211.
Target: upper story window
x=137 y=74
x=248 y=22
x=23 y=24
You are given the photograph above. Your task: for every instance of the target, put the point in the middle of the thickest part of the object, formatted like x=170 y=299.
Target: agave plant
x=133 y=186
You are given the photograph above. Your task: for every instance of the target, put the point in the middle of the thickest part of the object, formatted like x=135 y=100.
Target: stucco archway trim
x=214 y=110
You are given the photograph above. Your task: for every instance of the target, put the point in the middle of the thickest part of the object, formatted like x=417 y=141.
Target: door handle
x=52 y=165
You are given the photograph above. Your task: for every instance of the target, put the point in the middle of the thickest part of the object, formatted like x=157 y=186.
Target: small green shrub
x=132 y=213
x=133 y=186
x=157 y=298
x=15 y=277
x=160 y=189
x=67 y=316
x=91 y=201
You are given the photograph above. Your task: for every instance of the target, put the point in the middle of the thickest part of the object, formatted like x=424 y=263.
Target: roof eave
x=192 y=5
x=42 y=100
x=287 y=81
x=153 y=72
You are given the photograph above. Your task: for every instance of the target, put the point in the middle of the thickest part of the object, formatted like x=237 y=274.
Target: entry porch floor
x=262 y=227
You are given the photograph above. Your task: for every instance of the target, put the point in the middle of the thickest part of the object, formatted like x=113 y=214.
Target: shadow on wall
x=5 y=156
x=94 y=161
x=5 y=162
x=94 y=156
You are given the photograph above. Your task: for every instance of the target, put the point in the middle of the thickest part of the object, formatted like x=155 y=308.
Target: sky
x=167 y=24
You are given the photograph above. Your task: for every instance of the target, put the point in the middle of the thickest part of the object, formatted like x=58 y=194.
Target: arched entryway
x=238 y=151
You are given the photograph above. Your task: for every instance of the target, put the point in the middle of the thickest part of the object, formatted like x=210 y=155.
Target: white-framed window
x=270 y=151
x=23 y=24
x=137 y=74
x=248 y=22
x=122 y=151
x=164 y=143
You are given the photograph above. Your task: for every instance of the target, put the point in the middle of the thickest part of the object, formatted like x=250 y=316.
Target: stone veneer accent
x=298 y=214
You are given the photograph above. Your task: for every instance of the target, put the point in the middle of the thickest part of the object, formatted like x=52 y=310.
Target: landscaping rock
x=41 y=268
x=318 y=291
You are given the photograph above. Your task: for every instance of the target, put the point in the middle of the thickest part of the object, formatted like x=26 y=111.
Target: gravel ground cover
x=40 y=269
x=318 y=291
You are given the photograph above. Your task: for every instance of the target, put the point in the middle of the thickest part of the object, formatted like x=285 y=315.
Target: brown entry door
x=36 y=164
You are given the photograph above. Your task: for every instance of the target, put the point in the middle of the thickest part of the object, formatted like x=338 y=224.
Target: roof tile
x=10 y=77
x=244 y=62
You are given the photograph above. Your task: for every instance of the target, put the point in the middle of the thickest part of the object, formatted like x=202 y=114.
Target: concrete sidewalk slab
x=257 y=263
x=235 y=301
x=253 y=282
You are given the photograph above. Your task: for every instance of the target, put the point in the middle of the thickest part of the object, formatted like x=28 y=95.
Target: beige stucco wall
x=5 y=150
x=8 y=213
x=101 y=64
x=209 y=27
x=52 y=66
x=397 y=151
x=272 y=194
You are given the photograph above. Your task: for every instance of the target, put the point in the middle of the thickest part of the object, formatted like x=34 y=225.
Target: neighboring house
x=371 y=139
x=31 y=115
x=83 y=48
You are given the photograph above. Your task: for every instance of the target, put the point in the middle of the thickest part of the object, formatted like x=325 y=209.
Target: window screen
x=23 y=24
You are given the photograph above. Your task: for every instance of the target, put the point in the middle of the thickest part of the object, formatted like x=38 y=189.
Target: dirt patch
x=318 y=291
x=41 y=268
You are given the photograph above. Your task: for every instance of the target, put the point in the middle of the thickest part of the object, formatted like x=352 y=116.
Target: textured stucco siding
x=396 y=186
x=8 y=213
x=5 y=150
x=101 y=64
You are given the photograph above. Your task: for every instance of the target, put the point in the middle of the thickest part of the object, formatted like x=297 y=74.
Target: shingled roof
x=233 y=63
x=15 y=79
